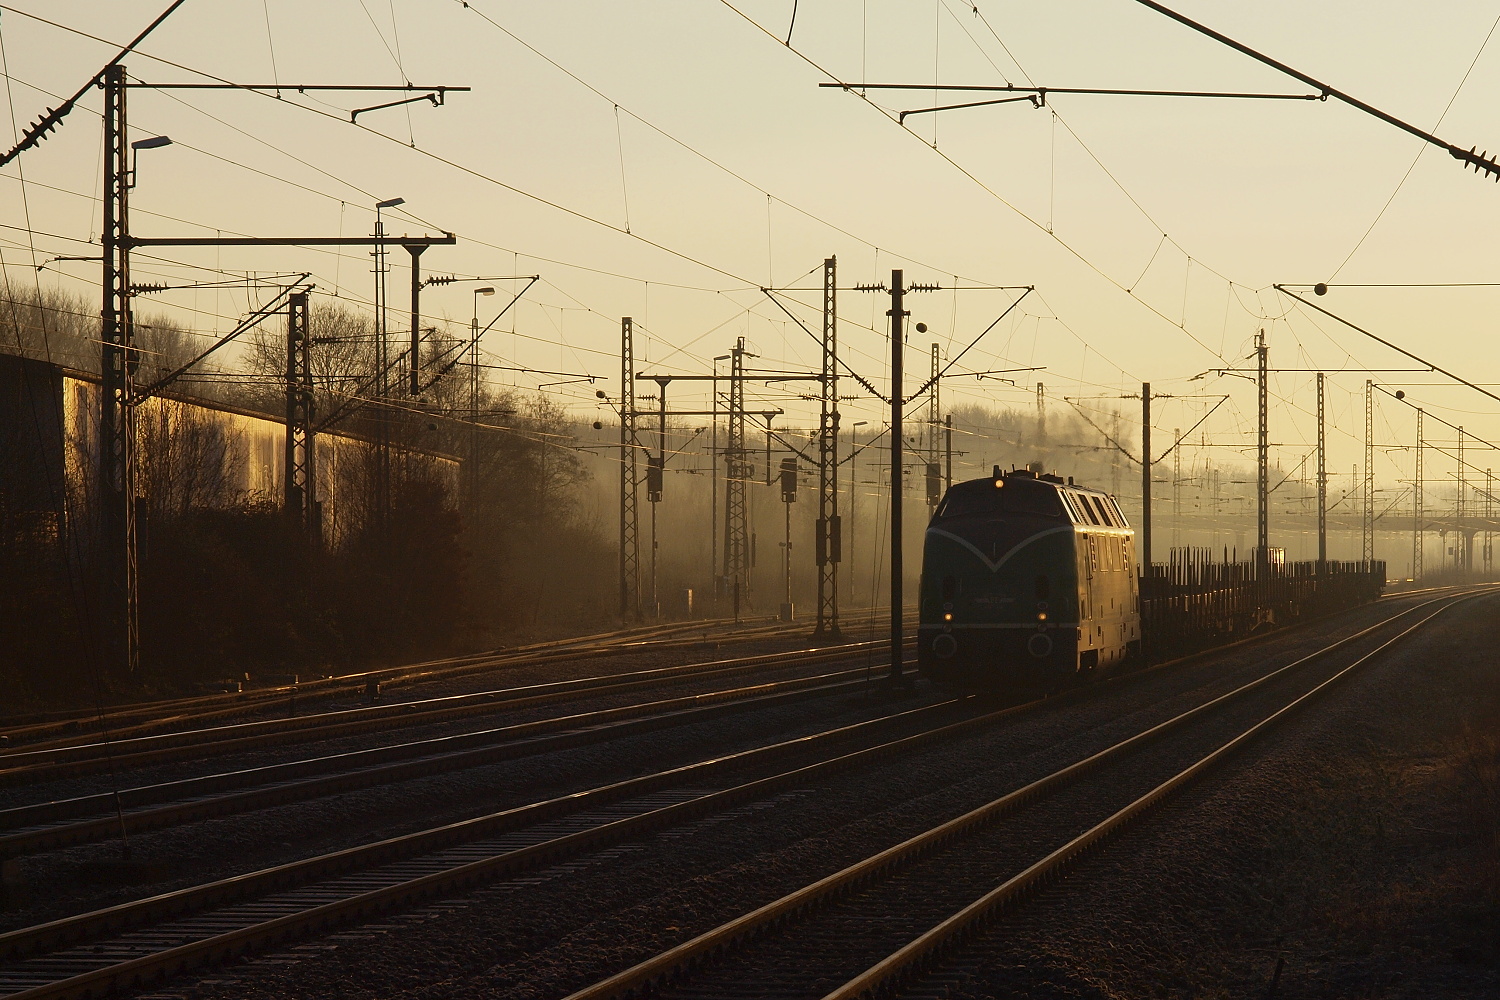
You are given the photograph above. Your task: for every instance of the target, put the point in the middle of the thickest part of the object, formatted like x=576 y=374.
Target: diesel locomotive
x=1028 y=582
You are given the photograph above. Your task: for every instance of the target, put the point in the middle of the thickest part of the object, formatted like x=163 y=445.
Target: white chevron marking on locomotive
x=995 y=566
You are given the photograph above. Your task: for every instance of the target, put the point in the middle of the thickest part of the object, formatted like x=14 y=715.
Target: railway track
x=883 y=921
x=45 y=763
x=61 y=728
x=59 y=823
x=135 y=943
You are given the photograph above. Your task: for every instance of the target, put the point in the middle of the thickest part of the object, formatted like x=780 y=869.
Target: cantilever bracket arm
x=437 y=97
x=1102 y=432
x=470 y=341
x=269 y=309
x=926 y=385
x=792 y=448
x=1037 y=101
x=868 y=444
x=771 y=294
x=1184 y=436
x=666 y=457
x=1038 y=95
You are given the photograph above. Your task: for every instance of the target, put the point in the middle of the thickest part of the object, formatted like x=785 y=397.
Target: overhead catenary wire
x=210 y=75
x=1420 y=150
x=714 y=290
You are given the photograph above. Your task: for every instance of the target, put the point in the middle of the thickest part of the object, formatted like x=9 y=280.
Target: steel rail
x=29 y=766
x=264 y=932
x=935 y=941
x=42 y=720
x=66 y=750
x=239 y=703
x=474 y=665
x=365 y=768
x=45 y=826
x=56 y=934
x=678 y=960
x=596 y=644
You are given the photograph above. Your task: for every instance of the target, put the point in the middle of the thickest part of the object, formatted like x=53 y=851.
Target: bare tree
x=188 y=460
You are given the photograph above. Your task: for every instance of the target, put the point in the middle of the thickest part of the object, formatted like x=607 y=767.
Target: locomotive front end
x=999 y=591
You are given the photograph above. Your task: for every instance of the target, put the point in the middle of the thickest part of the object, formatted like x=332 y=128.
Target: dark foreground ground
x=1357 y=848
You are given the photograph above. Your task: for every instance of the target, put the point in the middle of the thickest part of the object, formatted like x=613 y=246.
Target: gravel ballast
x=545 y=935
x=1352 y=853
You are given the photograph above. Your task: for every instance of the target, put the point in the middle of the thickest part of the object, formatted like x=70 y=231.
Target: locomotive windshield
x=1015 y=496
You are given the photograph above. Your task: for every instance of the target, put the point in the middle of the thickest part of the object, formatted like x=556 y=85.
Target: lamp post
x=382 y=381
x=472 y=478
x=853 y=497
x=380 y=304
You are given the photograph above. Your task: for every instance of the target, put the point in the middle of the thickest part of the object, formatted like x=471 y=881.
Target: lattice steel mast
x=630 y=562
x=1322 y=482
x=829 y=529
x=736 y=472
x=299 y=480
x=117 y=437
x=1262 y=455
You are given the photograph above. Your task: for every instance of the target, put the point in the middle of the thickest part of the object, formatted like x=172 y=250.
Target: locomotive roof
x=1042 y=477
x=1031 y=493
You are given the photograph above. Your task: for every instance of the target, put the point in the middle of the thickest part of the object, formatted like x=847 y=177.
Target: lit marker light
x=999 y=484
x=948 y=617
x=1041 y=616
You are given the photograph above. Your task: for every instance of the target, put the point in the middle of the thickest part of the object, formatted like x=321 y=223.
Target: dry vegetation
x=230 y=587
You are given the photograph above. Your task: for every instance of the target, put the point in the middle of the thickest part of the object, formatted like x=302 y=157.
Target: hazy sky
x=1151 y=228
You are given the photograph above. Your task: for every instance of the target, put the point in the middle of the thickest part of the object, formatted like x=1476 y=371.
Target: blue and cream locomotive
x=1028 y=581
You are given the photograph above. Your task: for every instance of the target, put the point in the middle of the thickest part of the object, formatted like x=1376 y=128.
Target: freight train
x=1028 y=582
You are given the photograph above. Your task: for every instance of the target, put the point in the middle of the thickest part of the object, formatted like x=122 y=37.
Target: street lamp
x=474 y=336
x=155 y=142
x=380 y=305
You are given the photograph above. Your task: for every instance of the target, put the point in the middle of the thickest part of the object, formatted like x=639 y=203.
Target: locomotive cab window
x=991 y=497
x=1024 y=496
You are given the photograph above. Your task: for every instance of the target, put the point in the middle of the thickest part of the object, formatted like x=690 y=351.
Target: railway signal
x=788 y=497
x=788 y=480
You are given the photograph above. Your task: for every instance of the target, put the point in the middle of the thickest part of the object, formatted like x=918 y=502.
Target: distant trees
x=462 y=555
